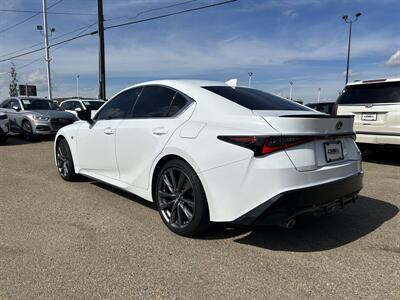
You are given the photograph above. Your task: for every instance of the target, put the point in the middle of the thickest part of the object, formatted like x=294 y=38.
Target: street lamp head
x=291 y=82
x=358 y=14
x=39 y=27
x=250 y=74
x=52 y=29
x=345 y=17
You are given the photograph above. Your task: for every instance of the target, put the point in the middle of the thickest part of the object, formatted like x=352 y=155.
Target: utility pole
x=46 y=45
x=291 y=90
x=102 y=71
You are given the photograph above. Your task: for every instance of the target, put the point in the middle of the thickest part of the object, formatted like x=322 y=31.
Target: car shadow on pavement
x=316 y=233
x=16 y=140
x=125 y=194
x=382 y=156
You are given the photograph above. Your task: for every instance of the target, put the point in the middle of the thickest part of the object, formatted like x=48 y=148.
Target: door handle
x=109 y=131
x=160 y=131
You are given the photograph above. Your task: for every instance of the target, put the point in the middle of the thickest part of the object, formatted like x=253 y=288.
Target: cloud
x=394 y=60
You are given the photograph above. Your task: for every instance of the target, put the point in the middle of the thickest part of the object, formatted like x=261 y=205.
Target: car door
x=157 y=113
x=96 y=142
x=14 y=110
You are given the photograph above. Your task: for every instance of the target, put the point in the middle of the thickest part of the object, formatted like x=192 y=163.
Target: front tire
x=181 y=200
x=65 y=163
x=27 y=131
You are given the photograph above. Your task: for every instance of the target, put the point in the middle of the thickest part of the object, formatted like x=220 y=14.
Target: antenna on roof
x=232 y=82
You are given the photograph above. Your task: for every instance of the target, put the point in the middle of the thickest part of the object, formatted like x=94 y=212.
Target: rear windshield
x=254 y=99
x=388 y=92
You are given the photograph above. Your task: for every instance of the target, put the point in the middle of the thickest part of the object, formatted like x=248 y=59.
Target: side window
x=15 y=103
x=66 y=105
x=154 y=102
x=177 y=104
x=120 y=106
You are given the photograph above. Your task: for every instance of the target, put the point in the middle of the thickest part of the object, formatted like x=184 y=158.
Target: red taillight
x=263 y=145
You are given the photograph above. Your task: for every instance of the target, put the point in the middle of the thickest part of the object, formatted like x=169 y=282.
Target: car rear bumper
x=318 y=199
x=378 y=138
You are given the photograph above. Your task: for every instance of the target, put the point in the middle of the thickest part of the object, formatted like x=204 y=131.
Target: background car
x=76 y=105
x=35 y=116
x=324 y=107
x=4 y=127
x=205 y=151
x=375 y=105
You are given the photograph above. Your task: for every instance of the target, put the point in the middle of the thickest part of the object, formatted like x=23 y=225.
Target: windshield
x=388 y=92
x=38 y=104
x=93 y=105
x=255 y=99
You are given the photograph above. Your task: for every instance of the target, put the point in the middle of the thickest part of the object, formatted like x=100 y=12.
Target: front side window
x=387 y=92
x=120 y=106
x=154 y=102
x=66 y=105
x=254 y=99
x=15 y=104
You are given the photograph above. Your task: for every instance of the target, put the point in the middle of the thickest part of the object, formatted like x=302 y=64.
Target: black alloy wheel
x=181 y=200
x=65 y=163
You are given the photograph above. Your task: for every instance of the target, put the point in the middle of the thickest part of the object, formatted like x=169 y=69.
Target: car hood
x=52 y=114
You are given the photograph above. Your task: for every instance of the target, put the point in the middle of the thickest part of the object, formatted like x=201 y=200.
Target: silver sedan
x=35 y=116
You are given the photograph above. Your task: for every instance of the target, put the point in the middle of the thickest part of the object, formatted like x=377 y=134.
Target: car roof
x=324 y=102
x=373 y=81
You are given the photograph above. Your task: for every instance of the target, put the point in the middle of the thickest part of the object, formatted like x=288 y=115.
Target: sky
x=303 y=41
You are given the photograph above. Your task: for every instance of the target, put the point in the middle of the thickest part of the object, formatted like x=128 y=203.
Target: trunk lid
x=328 y=133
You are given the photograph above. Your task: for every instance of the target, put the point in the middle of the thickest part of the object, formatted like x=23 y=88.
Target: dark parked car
x=324 y=107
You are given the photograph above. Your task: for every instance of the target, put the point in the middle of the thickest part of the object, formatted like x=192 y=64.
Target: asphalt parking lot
x=86 y=240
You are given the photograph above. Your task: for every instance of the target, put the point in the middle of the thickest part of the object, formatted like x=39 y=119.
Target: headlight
x=41 y=118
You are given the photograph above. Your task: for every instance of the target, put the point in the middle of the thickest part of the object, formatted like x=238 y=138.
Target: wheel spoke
x=187 y=188
x=181 y=180
x=166 y=204
x=189 y=202
x=171 y=175
x=178 y=212
x=173 y=214
x=165 y=194
x=187 y=213
x=168 y=184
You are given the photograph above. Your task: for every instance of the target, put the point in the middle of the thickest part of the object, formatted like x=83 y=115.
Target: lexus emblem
x=339 y=125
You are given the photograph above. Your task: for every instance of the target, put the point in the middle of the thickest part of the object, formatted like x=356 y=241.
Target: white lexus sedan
x=209 y=152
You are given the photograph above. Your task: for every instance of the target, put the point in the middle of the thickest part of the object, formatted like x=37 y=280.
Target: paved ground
x=85 y=240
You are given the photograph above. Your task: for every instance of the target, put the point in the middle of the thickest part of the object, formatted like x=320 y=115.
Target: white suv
x=375 y=105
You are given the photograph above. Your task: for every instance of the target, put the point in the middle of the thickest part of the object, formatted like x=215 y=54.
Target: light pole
x=319 y=94
x=46 y=46
x=291 y=90
x=250 y=75
x=350 y=22
x=77 y=85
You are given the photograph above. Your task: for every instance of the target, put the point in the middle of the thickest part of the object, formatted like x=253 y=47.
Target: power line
x=50 y=12
x=168 y=15
x=27 y=19
x=59 y=46
x=52 y=39
x=120 y=25
x=152 y=9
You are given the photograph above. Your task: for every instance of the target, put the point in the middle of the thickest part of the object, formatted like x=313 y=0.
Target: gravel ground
x=63 y=240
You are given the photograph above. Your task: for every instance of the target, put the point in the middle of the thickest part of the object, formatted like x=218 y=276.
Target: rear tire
x=180 y=199
x=3 y=138
x=65 y=163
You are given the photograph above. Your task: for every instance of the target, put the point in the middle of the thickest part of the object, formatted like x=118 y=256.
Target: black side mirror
x=16 y=108
x=85 y=115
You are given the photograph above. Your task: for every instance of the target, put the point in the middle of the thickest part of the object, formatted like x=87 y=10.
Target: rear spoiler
x=318 y=116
